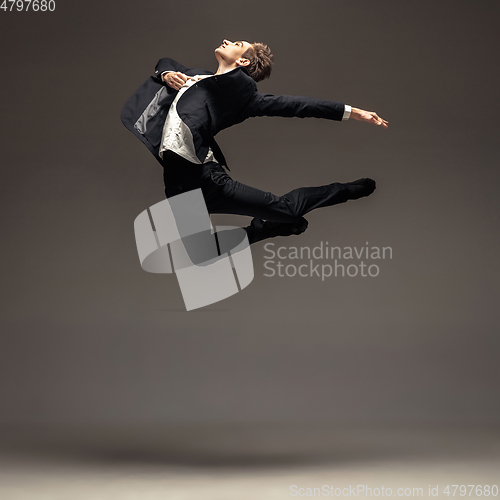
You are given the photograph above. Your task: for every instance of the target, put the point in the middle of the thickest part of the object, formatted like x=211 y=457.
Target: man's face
x=231 y=52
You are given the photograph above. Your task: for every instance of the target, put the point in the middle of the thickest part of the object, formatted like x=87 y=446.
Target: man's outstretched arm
x=307 y=107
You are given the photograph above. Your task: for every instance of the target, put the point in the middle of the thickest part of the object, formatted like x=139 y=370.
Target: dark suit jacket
x=210 y=106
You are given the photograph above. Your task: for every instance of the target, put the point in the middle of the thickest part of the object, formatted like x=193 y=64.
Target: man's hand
x=368 y=116
x=175 y=79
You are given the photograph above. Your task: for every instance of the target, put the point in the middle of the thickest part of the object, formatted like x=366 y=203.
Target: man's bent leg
x=224 y=195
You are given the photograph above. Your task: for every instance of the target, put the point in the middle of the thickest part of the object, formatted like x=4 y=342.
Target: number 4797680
x=26 y=5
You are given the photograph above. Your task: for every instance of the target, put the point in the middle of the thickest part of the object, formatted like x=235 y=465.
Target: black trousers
x=223 y=195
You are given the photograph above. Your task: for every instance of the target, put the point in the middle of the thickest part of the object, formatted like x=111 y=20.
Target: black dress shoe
x=273 y=228
x=360 y=188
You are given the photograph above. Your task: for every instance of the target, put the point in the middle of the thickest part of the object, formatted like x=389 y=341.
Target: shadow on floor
x=246 y=446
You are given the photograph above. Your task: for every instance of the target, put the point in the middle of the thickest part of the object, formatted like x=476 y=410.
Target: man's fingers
x=180 y=80
x=370 y=117
x=378 y=120
x=375 y=119
x=176 y=80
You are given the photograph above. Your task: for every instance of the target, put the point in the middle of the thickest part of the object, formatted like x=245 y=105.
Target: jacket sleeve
x=167 y=64
x=294 y=106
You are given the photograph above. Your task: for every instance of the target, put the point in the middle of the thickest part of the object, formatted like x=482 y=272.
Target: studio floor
x=248 y=461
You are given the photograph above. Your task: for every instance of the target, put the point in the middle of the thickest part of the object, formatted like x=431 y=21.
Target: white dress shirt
x=176 y=135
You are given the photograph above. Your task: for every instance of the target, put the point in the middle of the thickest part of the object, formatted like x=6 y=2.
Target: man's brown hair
x=261 y=61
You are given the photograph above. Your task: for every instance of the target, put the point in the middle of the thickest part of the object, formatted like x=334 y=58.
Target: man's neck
x=223 y=68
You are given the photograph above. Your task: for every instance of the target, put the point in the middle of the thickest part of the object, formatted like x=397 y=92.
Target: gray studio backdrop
x=89 y=337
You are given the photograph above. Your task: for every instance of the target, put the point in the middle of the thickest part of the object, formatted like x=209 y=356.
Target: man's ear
x=243 y=62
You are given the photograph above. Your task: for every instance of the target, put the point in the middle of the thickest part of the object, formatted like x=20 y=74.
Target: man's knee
x=290 y=207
